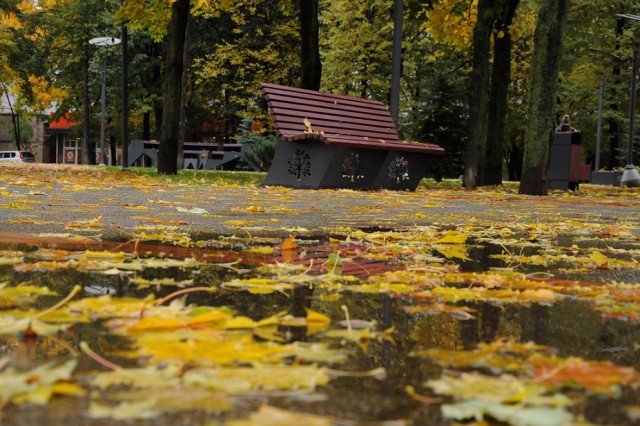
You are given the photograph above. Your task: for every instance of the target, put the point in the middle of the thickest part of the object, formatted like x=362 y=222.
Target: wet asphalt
x=115 y=210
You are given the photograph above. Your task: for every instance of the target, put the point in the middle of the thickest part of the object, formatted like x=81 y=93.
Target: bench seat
x=365 y=142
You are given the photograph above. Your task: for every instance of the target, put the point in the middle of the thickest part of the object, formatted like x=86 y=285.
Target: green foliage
x=257 y=151
x=26 y=132
x=7 y=48
x=357 y=47
x=441 y=118
x=599 y=46
x=247 y=43
x=434 y=105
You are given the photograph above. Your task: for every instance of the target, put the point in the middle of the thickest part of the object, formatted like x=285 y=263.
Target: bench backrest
x=292 y=109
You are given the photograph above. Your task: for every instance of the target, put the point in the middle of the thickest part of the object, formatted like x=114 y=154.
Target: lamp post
x=630 y=176
x=394 y=102
x=103 y=41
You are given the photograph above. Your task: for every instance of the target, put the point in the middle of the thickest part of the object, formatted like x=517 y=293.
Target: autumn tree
x=7 y=47
x=522 y=36
x=32 y=78
x=234 y=50
x=7 y=74
x=434 y=95
x=489 y=33
x=172 y=88
x=491 y=172
x=479 y=93
x=598 y=47
x=69 y=62
x=488 y=92
x=542 y=100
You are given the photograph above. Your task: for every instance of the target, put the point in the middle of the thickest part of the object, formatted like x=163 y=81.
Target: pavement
x=56 y=201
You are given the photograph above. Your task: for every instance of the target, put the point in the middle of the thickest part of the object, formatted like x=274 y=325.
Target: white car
x=17 y=156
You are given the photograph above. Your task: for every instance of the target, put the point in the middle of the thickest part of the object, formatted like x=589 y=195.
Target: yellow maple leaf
x=453 y=237
x=254 y=209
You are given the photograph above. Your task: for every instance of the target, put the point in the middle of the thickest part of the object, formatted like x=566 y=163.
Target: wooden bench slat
x=359 y=142
x=309 y=111
x=294 y=123
x=320 y=114
x=318 y=120
x=306 y=94
x=332 y=124
x=286 y=130
x=310 y=104
x=373 y=135
x=329 y=126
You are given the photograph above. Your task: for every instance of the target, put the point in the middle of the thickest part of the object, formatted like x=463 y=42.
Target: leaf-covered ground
x=127 y=297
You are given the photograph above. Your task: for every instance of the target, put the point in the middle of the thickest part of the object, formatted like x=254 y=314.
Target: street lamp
x=630 y=176
x=103 y=41
x=396 y=69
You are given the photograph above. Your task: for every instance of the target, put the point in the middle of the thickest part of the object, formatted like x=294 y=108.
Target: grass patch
x=201 y=177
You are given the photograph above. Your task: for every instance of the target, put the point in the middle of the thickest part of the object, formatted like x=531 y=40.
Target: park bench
x=335 y=141
x=197 y=155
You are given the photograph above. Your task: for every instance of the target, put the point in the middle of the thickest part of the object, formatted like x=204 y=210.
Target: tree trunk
x=183 y=97
x=515 y=160
x=88 y=156
x=146 y=126
x=478 y=93
x=15 y=122
x=157 y=113
x=542 y=96
x=156 y=104
x=309 y=45
x=125 y=97
x=172 y=89
x=498 y=101
x=396 y=72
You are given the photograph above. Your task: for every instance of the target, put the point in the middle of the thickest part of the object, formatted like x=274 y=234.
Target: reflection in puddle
x=353 y=331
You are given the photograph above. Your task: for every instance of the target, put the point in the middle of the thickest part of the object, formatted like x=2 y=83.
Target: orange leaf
x=289 y=243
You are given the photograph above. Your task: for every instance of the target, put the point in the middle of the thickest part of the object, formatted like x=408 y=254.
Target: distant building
x=60 y=144
x=50 y=141
x=36 y=123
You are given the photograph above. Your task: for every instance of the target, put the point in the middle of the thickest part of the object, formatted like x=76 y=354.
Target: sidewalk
x=37 y=199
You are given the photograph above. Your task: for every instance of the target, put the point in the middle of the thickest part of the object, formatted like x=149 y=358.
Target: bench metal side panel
x=353 y=168
x=299 y=164
x=401 y=171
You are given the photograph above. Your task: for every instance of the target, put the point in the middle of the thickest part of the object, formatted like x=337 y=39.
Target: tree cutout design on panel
x=300 y=164
x=399 y=169
x=352 y=167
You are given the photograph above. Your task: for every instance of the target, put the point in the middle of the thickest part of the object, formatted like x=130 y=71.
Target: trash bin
x=566 y=170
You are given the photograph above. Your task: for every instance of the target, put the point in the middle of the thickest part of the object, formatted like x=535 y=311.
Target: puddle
x=383 y=325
